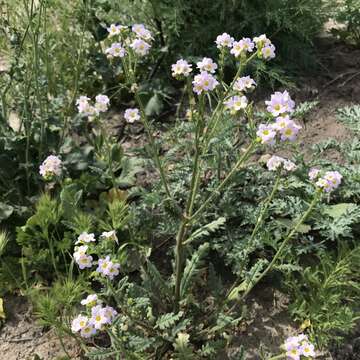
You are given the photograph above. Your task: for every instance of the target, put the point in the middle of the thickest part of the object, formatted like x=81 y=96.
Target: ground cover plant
x=164 y=269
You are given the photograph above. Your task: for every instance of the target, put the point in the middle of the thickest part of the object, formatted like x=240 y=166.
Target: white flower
x=140 y=47
x=85 y=238
x=84 y=261
x=245 y=83
x=224 y=40
x=79 y=323
x=132 y=115
x=268 y=52
x=90 y=300
x=102 y=103
x=207 y=64
x=204 y=82
x=109 y=235
x=88 y=331
x=52 y=166
x=116 y=50
x=181 y=68
x=141 y=31
x=276 y=162
x=236 y=103
x=114 y=29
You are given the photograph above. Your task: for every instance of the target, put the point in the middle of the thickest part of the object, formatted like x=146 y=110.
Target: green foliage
x=325 y=294
x=348 y=14
x=350 y=116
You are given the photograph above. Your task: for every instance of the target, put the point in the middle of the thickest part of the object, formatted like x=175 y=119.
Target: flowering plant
x=155 y=314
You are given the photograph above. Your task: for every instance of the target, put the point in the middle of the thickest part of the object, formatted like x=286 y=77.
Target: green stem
x=284 y=243
x=179 y=263
x=265 y=209
x=216 y=191
x=281 y=356
x=257 y=226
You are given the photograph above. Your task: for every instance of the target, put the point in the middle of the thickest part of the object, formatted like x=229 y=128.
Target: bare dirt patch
x=22 y=339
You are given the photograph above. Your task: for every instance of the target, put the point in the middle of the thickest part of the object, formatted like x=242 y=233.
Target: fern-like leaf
x=192 y=267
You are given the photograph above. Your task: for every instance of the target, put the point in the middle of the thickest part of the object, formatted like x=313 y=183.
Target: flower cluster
x=242 y=47
x=298 y=347
x=277 y=162
x=106 y=267
x=85 y=108
x=224 y=41
x=139 y=42
x=97 y=319
x=328 y=182
x=265 y=48
x=51 y=167
x=280 y=106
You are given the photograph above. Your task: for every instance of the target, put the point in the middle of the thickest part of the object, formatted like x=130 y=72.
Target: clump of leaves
x=325 y=294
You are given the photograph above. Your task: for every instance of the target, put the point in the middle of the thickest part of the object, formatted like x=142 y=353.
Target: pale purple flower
x=277 y=162
x=132 y=115
x=334 y=178
x=84 y=261
x=280 y=103
x=181 y=68
x=314 y=173
x=289 y=165
x=98 y=317
x=242 y=47
x=290 y=132
x=79 y=323
x=308 y=350
x=207 y=64
x=141 y=31
x=236 y=103
x=51 y=166
x=293 y=354
x=107 y=268
x=140 y=47
x=224 y=40
x=110 y=312
x=114 y=29
x=85 y=237
x=274 y=163
x=330 y=181
x=281 y=122
x=204 y=82
x=88 y=331
x=266 y=134
x=296 y=346
x=245 y=83
x=115 y=50
x=268 y=52
x=101 y=103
